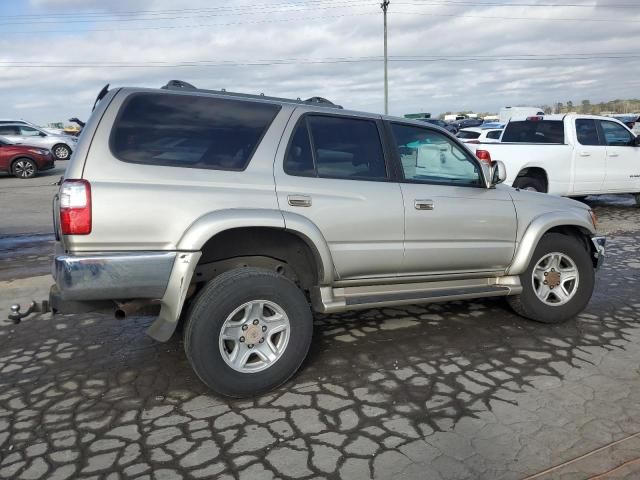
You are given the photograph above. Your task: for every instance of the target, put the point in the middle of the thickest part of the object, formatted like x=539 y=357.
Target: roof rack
x=185 y=86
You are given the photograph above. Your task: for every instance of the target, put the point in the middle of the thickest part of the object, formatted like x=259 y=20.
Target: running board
x=332 y=300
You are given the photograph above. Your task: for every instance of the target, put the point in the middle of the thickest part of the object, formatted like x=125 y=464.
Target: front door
x=453 y=223
x=623 y=159
x=333 y=172
x=590 y=156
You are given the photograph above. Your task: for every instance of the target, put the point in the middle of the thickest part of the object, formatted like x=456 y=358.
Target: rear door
x=10 y=132
x=334 y=173
x=453 y=223
x=590 y=155
x=623 y=158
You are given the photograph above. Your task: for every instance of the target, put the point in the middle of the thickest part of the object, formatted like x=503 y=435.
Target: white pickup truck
x=569 y=155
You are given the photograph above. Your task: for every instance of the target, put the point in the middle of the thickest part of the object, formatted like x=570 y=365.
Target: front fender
x=541 y=225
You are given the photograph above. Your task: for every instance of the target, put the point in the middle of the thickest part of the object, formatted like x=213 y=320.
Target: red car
x=23 y=161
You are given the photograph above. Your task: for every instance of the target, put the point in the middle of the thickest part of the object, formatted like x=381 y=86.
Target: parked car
x=479 y=135
x=570 y=155
x=492 y=125
x=54 y=131
x=440 y=123
x=60 y=145
x=467 y=122
x=271 y=208
x=23 y=161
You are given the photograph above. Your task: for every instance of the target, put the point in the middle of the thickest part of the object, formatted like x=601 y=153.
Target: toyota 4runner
x=239 y=215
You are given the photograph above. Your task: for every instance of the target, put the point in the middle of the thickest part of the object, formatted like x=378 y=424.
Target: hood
x=544 y=200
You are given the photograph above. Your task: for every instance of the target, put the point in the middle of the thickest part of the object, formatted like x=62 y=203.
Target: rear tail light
x=75 y=207
x=484 y=156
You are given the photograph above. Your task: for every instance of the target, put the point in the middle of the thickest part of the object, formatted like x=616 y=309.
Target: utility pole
x=385 y=5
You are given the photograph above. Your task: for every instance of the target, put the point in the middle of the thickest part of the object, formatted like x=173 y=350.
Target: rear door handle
x=585 y=154
x=614 y=155
x=423 y=205
x=299 y=200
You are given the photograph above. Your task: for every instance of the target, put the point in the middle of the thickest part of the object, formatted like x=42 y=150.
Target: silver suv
x=239 y=215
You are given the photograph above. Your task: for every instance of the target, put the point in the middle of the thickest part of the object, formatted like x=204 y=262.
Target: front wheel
x=247 y=332
x=24 y=168
x=61 y=152
x=559 y=281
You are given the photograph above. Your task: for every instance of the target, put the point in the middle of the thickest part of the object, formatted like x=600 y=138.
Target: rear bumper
x=599 y=250
x=113 y=276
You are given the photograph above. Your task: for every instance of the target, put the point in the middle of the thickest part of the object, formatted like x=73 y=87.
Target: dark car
x=440 y=123
x=24 y=161
x=467 y=122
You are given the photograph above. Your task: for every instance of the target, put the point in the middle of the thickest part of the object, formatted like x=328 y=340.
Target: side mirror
x=498 y=172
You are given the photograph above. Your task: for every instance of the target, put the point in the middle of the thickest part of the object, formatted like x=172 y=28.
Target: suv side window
x=615 y=134
x=9 y=130
x=587 y=132
x=428 y=156
x=190 y=131
x=336 y=147
x=29 y=132
x=494 y=134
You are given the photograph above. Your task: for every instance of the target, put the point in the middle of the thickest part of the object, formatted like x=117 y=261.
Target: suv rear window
x=541 y=131
x=467 y=134
x=189 y=131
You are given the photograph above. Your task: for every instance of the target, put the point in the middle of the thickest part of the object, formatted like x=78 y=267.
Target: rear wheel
x=532 y=184
x=61 y=151
x=637 y=197
x=559 y=281
x=247 y=332
x=24 y=168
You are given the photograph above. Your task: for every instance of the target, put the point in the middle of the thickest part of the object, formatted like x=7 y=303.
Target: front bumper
x=113 y=276
x=599 y=250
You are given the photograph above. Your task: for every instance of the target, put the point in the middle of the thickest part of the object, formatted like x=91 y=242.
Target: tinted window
x=190 y=131
x=587 y=132
x=541 y=131
x=430 y=157
x=299 y=160
x=342 y=148
x=615 y=134
x=9 y=130
x=495 y=134
x=467 y=134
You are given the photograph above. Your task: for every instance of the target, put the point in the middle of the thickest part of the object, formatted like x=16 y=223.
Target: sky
x=444 y=55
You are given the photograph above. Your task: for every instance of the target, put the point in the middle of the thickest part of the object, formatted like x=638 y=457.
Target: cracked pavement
x=444 y=391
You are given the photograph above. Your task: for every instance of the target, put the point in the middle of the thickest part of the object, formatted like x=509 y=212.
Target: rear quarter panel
x=145 y=207
x=556 y=160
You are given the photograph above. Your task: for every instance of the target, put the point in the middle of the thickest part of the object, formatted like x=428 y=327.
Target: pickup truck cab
x=569 y=155
x=238 y=215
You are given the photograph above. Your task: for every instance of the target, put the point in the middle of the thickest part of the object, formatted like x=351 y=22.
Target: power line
x=540 y=19
x=337 y=60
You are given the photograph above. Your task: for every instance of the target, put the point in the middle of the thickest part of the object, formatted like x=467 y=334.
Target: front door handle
x=585 y=154
x=423 y=205
x=614 y=155
x=299 y=200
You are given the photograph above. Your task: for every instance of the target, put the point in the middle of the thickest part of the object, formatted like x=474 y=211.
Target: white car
x=570 y=155
x=479 y=135
x=60 y=145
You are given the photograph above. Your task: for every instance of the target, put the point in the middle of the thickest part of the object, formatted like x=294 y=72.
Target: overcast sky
x=55 y=55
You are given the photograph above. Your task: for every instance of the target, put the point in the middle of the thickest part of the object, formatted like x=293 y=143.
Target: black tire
x=24 y=168
x=530 y=183
x=61 y=151
x=209 y=311
x=637 y=197
x=581 y=198
x=528 y=305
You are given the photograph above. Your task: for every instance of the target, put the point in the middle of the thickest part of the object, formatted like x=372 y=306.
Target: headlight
x=39 y=151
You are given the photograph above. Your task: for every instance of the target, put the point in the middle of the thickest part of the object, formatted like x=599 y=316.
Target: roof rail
x=185 y=86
